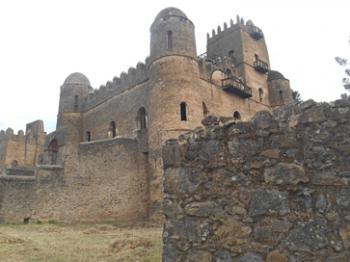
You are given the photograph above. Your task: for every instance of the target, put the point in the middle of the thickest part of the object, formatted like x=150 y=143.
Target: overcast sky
x=43 y=41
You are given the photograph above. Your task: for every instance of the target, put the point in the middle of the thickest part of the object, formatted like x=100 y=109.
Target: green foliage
x=346 y=64
x=297 y=97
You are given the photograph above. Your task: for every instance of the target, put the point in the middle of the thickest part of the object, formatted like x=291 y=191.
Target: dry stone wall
x=272 y=189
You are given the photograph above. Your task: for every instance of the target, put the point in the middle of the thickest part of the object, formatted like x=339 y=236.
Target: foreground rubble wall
x=272 y=189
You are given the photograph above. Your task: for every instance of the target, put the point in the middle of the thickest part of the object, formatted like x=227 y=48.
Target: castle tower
x=68 y=134
x=279 y=89
x=73 y=91
x=245 y=44
x=175 y=105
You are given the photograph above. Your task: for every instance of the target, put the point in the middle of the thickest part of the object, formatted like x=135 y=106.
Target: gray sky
x=43 y=41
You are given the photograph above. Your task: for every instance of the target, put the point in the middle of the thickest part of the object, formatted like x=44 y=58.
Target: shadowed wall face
x=272 y=189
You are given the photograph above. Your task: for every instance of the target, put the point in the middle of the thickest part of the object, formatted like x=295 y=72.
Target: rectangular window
x=170 y=39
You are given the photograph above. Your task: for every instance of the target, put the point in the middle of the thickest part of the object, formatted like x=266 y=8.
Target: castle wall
x=121 y=108
x=16 y=198
x=272 y=189
x=101 y=192
x=3 y=149
x=15 y=150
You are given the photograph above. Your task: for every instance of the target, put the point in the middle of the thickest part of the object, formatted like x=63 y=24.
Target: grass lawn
x=100 y=242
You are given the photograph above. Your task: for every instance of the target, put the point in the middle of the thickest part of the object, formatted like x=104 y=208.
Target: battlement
x=248 y=26
x=133 y=77
x=9 y=134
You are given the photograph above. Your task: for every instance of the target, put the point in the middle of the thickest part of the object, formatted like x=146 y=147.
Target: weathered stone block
x=182 y=181
x=223 y=256
x=310 y=236
x=269 y=202
x=343 y=198
x=328 y=179
x=263 y=120
x=199 y=255
x=172 y=154
x=202 y=209
x=251 y=257
x=285 y=174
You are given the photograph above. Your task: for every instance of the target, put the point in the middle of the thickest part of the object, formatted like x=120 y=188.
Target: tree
x=297 y=97
x=346 y=64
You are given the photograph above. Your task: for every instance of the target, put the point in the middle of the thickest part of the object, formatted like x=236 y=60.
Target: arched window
x=205 y=109
x=88 y=136
x=183 y=111
x=236 y=115
x=170 y=39
x=261 y=93
x=112 y=131
x=76 y=103
x=142 y=119
x=53 y=150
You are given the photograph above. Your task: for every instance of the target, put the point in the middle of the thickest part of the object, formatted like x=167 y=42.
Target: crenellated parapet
x=248 y=26
x=118 y=85
x=9 y=134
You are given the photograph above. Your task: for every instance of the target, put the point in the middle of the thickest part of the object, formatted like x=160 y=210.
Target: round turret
x=279 y=89
x=74 y=90
x=274 y=75
x=172 y=33
x=77 y=79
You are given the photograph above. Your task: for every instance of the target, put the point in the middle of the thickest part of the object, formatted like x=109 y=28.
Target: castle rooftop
x=170 y=11
x=77 y=79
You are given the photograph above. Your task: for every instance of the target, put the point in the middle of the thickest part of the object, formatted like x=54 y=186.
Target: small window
x=53 y=151
x=170 y=39
x=261 y=94
x=236 y=115
x=230 y=53
x=112 y=132
x=281 y=96
x=183 y=111
x=76 y=103
x=256 y=57
x=142 y=119
x=88 y=136
x=205 y=109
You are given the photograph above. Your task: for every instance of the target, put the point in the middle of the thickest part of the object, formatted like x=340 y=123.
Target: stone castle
x=104 y=161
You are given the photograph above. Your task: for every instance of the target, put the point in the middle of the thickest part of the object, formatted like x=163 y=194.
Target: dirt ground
x=83 y=243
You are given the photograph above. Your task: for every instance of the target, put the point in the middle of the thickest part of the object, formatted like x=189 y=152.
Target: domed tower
x=172 y=33
x=73 y=91
x=68 y=132
x=280 y=92
x=175 y=105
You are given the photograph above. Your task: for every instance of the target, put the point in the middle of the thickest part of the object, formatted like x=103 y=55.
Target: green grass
x=83 y=243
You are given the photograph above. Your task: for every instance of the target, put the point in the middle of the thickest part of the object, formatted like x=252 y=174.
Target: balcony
x=235 y=86
x=256 y=32
x=261 y=66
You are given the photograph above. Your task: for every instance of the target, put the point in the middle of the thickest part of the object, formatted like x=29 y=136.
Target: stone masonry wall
x=272 y=189
x=111 y=186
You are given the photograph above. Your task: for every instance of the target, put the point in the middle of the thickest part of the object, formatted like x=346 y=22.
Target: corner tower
x=74 y=90
x=245 y=44
x=174 y=104
x=172 y=33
